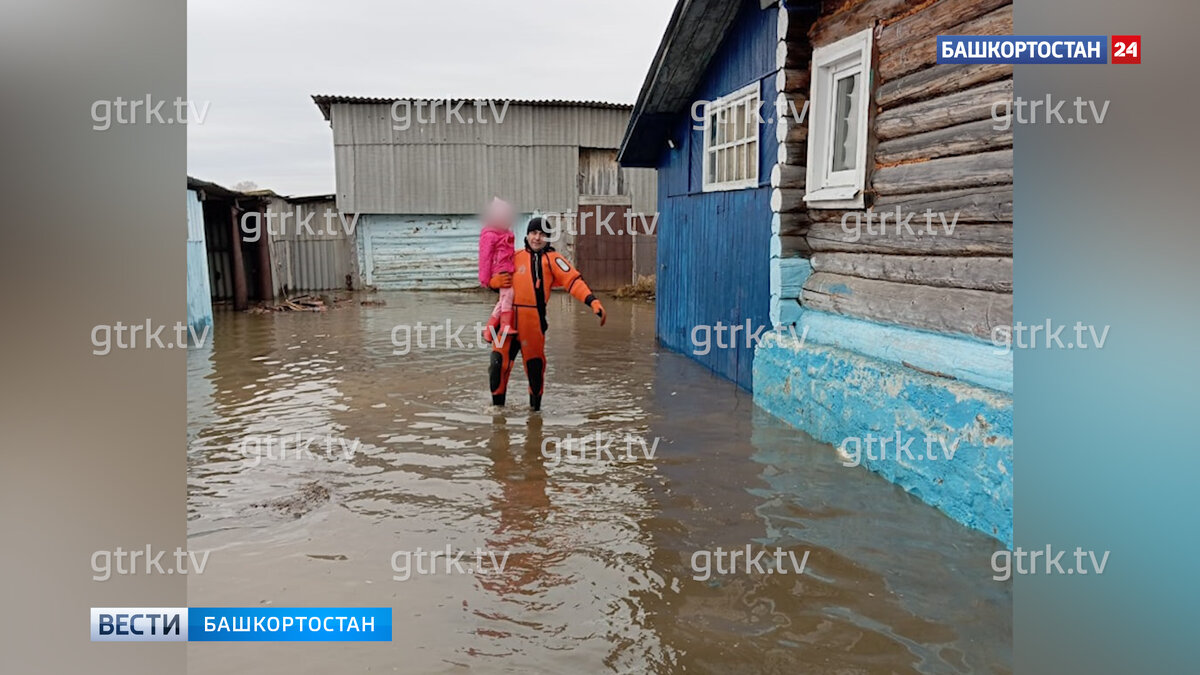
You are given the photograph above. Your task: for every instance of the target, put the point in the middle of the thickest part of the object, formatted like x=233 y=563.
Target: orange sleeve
x=568 y=278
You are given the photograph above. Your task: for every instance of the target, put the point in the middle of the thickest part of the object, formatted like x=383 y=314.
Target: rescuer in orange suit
x=537 y=269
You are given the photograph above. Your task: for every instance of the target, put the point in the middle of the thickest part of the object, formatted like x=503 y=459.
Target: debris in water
x=311 y=496
x=311 y=303
x=642 y=289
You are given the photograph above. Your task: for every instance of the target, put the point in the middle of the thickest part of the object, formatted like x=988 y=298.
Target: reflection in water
x=521 y=504
x=598 y=575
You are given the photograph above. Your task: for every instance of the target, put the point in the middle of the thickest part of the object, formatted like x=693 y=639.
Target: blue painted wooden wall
x=199 y=293
x=714 y=248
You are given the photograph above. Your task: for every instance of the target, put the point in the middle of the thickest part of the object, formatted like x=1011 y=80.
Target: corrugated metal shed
x=317 y=257
x=527 y=152
x=453 y=179
x=642 y=187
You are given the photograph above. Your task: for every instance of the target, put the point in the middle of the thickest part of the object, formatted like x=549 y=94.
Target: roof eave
x=325 y=102
x=693 y=35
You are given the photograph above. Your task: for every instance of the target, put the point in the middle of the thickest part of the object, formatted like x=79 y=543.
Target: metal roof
x=324 y=102
x=220 y=191
x=213 y=189
x=207 y=190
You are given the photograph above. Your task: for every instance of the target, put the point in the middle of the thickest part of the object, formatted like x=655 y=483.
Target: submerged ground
x=405 y=451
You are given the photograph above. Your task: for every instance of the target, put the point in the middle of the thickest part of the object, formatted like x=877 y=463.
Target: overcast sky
x=256 y=63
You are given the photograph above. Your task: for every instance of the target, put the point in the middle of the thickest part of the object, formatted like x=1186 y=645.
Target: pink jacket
x=495 y=252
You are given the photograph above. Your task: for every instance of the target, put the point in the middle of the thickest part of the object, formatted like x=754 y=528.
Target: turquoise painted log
x=836 y=394
x=962 y=359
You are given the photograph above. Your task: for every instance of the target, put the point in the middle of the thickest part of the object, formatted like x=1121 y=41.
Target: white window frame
x=747 y=94
x=828 y=189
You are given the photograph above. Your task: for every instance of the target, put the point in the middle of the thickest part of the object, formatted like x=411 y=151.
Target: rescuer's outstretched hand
x=599 y=310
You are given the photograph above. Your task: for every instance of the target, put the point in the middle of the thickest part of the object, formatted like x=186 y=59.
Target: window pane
x=739 y=125
x=710 y=120
x=729 y=163
x=722 y=114
x=752 y=160
x=845 y=123
x=751 y=118
x=712 y=167
x=739 y=171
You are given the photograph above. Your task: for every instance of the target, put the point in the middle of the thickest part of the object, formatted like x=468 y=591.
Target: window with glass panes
x=731 y=141
x=835 y=173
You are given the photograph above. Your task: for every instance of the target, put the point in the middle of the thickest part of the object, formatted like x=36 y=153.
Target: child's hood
x=490 y=232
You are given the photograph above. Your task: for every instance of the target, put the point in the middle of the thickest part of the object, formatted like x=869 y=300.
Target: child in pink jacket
x=496 y=257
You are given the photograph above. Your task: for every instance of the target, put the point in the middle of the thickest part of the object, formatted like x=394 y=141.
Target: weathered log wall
x=937 y=152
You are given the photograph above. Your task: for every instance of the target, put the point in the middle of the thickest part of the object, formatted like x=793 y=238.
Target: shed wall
x=316 y=257
x=199 y=292
x=420 y=252
x=449 y=167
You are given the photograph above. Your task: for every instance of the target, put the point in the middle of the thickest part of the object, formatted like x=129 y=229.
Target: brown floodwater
x=599 y=575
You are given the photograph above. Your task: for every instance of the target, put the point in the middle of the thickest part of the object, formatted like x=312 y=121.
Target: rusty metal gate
x=603 y=244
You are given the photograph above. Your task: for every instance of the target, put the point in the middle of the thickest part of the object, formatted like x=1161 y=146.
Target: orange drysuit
x=535 y=273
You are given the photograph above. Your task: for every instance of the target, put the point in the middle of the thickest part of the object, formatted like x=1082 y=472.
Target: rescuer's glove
x=599 y=310
x=500 y=280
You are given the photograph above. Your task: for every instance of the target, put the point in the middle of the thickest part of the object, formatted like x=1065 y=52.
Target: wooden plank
x=604 y=200
x=788 y=176
x=946 y=173
x=933 y=20
x=960 y=139
x=941 y=79
x=979 y=205
x=852 y=18
x=982 y=273
x=598 y=173
x=966 y=239
x=944 y=111
x=922 y=54
x=942 y=310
